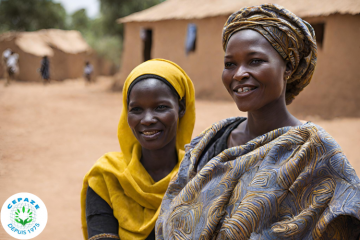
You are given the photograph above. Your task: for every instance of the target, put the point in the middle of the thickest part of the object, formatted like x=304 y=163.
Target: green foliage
x=108 y=47
x=25 y=15
x=103 y=34
x=80 y=21
x=111 y=10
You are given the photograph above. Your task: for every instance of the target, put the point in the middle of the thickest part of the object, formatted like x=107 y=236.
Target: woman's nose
x=241 y=73
x=148 y=119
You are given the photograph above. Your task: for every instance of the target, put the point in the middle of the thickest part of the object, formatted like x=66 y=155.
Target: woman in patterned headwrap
x=267 y=176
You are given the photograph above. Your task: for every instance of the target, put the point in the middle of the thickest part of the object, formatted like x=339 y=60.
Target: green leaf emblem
x=26 y=217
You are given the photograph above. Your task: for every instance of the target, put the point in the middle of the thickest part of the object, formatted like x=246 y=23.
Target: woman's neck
x=270 y=117
x=159 y=163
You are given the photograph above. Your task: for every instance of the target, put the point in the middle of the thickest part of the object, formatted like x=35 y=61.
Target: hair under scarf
x=292 y=37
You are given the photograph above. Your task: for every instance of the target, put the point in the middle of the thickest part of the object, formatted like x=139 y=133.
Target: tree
x=111 y=10
x=25 y=15
x=80 y=21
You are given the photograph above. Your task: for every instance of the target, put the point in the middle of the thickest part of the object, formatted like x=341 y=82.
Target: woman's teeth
x=245 y=89
x=150 y=133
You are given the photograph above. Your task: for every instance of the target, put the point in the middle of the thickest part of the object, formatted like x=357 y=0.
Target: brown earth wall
x=28 y=63
x=106 y=67
x=62 y=65
x=333 y=91
x=204 y=66
x=66 y=65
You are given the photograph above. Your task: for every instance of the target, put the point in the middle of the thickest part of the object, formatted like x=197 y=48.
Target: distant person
x=12 y=67
x=4 y=58
x=45 y=69
x=88 y=70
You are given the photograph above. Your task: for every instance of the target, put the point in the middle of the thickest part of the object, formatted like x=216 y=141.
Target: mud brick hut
x=67 y=52
x=188 y=32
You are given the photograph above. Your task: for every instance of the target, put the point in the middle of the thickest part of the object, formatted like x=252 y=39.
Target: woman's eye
x=134 y=109
x=161 y=107
x=257 y=61
x=228 y=64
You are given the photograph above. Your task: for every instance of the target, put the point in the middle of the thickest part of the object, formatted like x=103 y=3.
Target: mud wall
x=28 y=63
x=204 y=65
x=62 y=65
x=331 y=93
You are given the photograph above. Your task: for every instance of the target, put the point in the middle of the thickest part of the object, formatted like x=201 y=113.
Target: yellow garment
x=119 y=177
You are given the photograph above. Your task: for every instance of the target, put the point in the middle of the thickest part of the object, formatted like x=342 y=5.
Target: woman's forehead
x=149 y=83
x=248 y=40
x=247 y=36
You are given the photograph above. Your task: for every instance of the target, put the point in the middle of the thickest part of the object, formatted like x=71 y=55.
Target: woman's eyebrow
x=248 y=54
x=132 y=103
x=254 y=53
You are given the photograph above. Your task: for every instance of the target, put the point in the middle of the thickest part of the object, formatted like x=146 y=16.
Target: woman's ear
x=182 y=107
x=288 y=70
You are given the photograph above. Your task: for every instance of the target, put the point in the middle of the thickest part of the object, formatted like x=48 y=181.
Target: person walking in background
x=12 y=67
x=6 y=54
x=88 y=70
x=45 y=69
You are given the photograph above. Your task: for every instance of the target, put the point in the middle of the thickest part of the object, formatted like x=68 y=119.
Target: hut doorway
x=146 y=35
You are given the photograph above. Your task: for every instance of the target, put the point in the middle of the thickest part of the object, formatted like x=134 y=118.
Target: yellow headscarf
x=119 y=177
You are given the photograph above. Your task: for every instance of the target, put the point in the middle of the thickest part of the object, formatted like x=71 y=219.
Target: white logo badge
x=24 y=216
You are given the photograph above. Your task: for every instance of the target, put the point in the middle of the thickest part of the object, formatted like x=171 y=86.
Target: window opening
x=319 y=29
x=190 y=43
x=146 y=36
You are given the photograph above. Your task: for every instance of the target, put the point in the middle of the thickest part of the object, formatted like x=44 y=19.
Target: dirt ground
x=51 y=135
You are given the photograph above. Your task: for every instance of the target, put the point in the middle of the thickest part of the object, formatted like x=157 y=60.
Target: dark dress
x=100 y=218
x=45 y=68
x=218 y=143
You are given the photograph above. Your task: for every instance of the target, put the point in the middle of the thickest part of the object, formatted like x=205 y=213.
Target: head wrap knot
x=292 y=37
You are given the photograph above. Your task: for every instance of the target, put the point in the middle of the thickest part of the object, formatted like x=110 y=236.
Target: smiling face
x=254 y=72
x=153 y=113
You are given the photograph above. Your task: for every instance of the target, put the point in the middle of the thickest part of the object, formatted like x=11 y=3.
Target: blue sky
x=92 y=6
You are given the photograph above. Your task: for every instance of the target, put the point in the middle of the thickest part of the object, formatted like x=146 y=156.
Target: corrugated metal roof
x=196 y=9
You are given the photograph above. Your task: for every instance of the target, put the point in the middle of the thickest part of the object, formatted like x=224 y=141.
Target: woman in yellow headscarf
x=122 y=193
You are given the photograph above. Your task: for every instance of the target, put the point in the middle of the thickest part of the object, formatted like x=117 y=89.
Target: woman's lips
x=151 y=135
x=244 y=91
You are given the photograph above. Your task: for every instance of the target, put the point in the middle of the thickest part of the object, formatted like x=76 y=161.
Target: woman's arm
x=101 y=223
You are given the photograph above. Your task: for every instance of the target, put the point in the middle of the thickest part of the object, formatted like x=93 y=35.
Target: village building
x=67 y=52
x=188 y=32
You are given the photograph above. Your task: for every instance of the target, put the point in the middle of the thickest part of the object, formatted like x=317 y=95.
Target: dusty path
x=51 y=136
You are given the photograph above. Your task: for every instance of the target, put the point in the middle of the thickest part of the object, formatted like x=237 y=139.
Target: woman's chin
x=151 y=146
x=244 y=107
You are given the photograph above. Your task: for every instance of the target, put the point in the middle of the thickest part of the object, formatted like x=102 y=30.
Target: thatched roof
x=196 y=9
x=40 y=43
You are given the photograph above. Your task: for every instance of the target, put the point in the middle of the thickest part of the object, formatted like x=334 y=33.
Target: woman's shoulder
x=328 y=151
x=110 y=162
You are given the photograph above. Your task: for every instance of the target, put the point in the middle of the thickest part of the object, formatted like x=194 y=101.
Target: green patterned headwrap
x=292 y=37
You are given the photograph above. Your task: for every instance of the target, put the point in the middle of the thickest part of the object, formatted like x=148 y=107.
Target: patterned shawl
x=291 y=183
x=292 y=37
